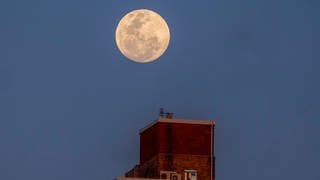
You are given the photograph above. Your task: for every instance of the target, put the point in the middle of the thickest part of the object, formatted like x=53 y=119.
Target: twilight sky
x=71 y=105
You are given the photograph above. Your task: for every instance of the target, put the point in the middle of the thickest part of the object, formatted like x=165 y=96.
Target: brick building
x=176 y=149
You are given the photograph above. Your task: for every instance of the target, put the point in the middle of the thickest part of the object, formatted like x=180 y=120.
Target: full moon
x=142 y=35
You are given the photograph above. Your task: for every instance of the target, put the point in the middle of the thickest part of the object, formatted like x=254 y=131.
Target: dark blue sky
x=71 y=105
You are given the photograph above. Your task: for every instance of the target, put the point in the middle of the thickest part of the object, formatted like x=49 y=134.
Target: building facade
x=176 y=149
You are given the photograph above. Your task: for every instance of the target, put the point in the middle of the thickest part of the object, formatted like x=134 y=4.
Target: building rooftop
x=183 y=121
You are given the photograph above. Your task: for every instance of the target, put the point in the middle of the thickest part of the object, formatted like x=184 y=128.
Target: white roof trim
x=182 y=121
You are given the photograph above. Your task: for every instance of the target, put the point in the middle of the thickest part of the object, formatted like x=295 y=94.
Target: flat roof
x=182 y=121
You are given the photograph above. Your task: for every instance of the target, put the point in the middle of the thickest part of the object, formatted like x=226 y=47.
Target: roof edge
x=182 y=121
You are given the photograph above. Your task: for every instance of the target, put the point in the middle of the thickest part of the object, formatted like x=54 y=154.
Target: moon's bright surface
x=142 y=35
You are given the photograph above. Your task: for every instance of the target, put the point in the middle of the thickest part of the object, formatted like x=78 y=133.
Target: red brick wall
x=149 y=143
x=185 y=138
x=175 y=138
x=176 y=147
x=149 y=168
x=181 y=162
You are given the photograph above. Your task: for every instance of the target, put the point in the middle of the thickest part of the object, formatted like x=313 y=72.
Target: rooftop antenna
x=163 y=114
